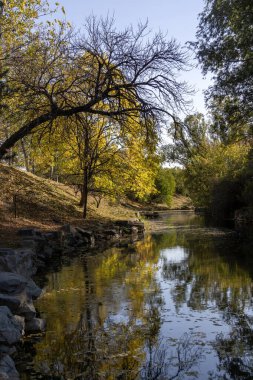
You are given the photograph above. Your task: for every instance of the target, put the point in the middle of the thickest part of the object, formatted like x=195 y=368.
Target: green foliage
x=214 y=167
x=179 y=175
x=165 y=186
x=205 y=173
x=224 y=48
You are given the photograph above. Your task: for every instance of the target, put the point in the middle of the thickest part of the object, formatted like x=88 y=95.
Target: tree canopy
x=106 y=72
x=225 y=48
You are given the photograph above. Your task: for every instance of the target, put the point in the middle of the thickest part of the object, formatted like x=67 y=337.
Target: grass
x=46 y=204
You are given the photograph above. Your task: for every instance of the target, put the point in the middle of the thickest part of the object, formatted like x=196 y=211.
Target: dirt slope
x=44 y=204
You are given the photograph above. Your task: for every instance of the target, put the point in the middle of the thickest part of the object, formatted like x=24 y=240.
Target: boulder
x=12 y=301
x=7 y=368
x=19 y=304
x=10 y=329
x=15 y=284
x=12 y=283
x=20 y=261
x=32 y=290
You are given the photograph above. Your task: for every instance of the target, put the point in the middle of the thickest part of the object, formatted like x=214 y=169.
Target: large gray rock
x=7 y=368
x=10 y=329
x=13 y=301
x=19 y=304
x=32 y=290
x=20 y=261
x=12 y=283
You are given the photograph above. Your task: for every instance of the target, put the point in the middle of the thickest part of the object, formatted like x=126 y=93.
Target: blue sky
x=176 y=18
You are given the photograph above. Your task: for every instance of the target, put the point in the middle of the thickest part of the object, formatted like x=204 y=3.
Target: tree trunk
x=84 y=192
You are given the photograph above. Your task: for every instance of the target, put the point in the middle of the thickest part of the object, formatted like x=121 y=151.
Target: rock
x=134 y=230
x=39 y=242
x=20 y=261
x=12 y=283
x=87 y=235
x=27 y=310
x=35 y=325
x=112 y=234
x=9 y=350
x=15 y=284
x=21 y=322
x=29 y=232
x=70 y=240
x=68 y=229
x=4 y=376
x=13 y=302
x=19 y=304
x=10 y=329
x=53 y=235
x=46 y=252
x=126 y=225
x=7 y=369
x=151 y=214
x=32 y=290
x=29 y=243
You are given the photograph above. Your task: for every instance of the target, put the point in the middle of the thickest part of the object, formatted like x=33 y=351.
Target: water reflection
x=177 y=305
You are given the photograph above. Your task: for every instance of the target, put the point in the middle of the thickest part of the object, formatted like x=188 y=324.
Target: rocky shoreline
x=18 y=316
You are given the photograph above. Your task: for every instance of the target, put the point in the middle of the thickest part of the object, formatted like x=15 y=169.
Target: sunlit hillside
x=44 y=204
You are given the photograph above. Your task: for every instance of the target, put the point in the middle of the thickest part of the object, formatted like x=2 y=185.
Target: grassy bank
x=27 y=200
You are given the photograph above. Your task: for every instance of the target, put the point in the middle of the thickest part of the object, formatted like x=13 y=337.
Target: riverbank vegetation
x=216 y=152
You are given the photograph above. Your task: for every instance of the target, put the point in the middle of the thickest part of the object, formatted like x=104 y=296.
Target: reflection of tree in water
x=88 y=342
x=208 y=275
x=235 y=351
x=214 y=274
x=164 y=366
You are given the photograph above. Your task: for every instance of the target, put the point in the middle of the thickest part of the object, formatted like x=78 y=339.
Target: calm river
x=176 y=305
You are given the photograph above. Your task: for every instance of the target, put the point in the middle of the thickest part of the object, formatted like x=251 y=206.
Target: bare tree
x=105 y=72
